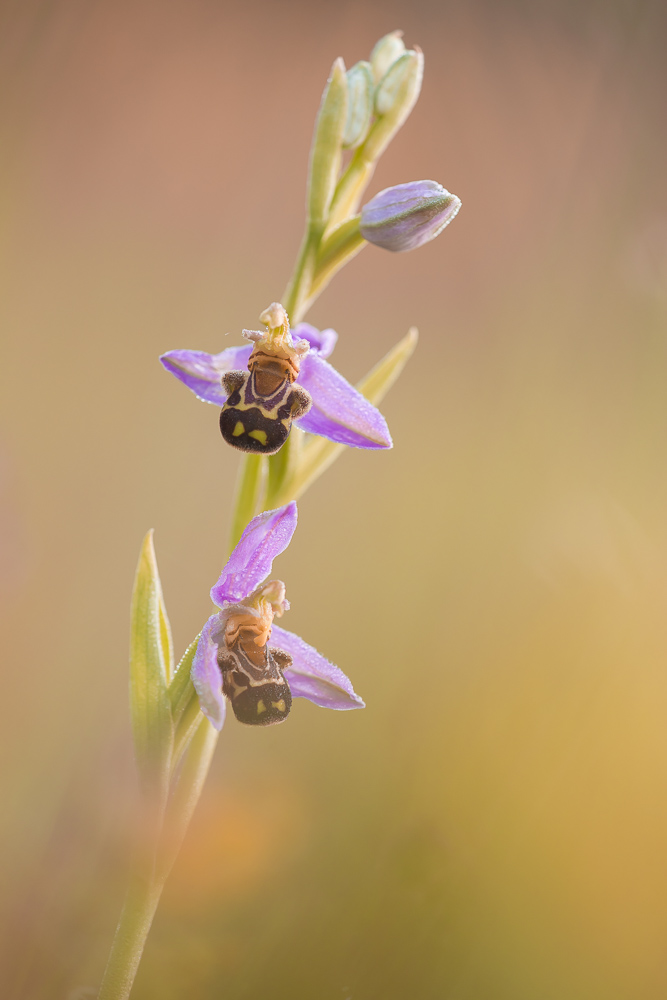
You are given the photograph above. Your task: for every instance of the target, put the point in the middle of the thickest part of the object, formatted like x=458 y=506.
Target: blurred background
x=494 y=825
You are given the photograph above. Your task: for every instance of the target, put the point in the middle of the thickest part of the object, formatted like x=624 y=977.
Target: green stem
x=128 y=944
x=187 y=787
x=251 y=478
x=339 y=247
x=283 y=467
x=155 y=857
x=297 y=292
x=351 y=187
x=319 y=259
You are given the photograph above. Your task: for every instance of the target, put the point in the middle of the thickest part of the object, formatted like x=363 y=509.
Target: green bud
x=360 y=91
x=326 y=151
x=399 y=87
x=395 y=98
x=386 y=51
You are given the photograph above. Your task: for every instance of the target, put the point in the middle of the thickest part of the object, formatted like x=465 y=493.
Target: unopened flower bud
x=325 y=154
x=386 y=51
x=406 y=215
x=360 y=90
x=395 y=97
x=397 y=86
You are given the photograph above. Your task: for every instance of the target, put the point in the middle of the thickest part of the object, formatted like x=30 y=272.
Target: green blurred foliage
x=492 y=826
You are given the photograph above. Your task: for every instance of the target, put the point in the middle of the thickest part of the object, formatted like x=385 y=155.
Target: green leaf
x=179 y=689
x=283 y=466
x=380 y=379
x=166 y=645
x=150 y=664
x=185 y=709
x=318 y=454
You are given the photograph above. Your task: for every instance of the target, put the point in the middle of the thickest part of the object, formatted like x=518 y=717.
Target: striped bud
x=405 y=216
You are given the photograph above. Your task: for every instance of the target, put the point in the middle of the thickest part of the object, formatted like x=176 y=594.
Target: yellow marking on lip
x=280 y=705
x=257 y=435
x=261 y=707
x=256 y=405
x=238 y=430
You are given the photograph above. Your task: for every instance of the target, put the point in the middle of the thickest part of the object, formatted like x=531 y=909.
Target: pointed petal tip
x=217 y=722
x=147 y=550
x=358 y=701
x=312 y=676
x=339 y=411
x=202 y=372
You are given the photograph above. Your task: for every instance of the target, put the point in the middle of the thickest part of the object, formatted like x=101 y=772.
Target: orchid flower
x=234 y=658
x=260 y=403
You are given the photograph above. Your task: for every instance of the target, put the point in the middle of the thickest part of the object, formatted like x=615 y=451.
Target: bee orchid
x=283 y=376
x=243 y=656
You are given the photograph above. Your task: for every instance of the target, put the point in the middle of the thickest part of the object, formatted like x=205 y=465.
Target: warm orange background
x=494 y=825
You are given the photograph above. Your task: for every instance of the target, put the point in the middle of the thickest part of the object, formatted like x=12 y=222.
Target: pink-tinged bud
x=405 y=216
